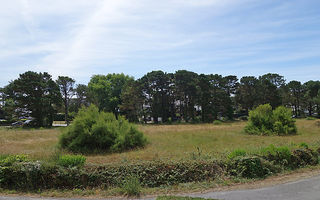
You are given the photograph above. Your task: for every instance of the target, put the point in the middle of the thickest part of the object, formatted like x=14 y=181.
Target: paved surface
x=306 y=189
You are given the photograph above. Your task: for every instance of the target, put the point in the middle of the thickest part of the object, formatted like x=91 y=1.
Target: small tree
x=264 y=121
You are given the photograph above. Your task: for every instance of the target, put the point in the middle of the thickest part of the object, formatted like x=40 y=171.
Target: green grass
x=172 y=142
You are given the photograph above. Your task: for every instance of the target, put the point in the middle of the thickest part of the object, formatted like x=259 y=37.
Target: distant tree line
x=160 y=96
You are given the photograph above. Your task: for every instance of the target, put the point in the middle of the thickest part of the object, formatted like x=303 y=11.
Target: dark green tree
x=106 y=91
x=66 y=84
x=247 y=95
x=312 y=89
x=156 y=89
x=270 y=91
x=186 y=90
x=296 y=96
x=132 y=101
x=37 y=94
x=82 y=96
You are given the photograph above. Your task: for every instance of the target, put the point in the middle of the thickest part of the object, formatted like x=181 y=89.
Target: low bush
x=9 y=160
x=131 y=186
x=71 y=160
x=250 y=167
x=278 y=155
x=93 y=131
x=217 y=122
x=264 y=121
x=237 y=153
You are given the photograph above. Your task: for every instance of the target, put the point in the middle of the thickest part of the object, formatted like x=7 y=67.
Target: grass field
x=173 y=142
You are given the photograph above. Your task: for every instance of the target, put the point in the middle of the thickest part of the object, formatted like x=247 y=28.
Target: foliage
x=250 y=167
x=237 y=153
x=279 y=155
x=23 y=174
x=71 y=160
x=264 y=121
x=11 y=159
x=65 y=84
x=260 y=121
x=283 y=122
x=217 y=122
x=131 y=186
x=94 y=131
x=35 y=94
x=106 y=91
x=150 y=174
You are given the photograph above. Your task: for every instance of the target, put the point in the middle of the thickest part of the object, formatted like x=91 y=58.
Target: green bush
x=71 y=160
x=93 y=131
x=11 y=159
x=264 y=121
x=250 y=167
x=131 y=186
x=217 y=122
x=283 y=122
x=237 y=153
x=278 y=155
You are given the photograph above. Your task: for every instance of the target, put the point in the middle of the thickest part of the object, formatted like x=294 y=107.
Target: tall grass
x=172 y=142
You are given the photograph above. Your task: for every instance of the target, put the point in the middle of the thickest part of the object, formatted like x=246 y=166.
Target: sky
x=80 y=38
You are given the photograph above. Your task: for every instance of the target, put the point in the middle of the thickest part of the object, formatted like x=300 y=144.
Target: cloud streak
x=81 y=38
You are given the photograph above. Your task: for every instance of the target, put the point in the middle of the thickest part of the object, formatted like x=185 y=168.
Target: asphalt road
x=306 y=189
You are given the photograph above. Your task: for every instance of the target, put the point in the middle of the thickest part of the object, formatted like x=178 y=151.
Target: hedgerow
x=23 y=174
x=92 y=131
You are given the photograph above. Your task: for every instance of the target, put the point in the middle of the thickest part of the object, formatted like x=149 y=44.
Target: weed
x=131 y=186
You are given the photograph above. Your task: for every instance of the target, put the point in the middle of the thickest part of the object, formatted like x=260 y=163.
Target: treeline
x=157 y=96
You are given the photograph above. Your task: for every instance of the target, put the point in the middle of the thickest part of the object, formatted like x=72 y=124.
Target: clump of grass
x=237 y=153
x=131 y=186
x=71 y=160
x=217 y=122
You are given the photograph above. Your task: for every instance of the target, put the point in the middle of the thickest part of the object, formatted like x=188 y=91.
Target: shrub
x=71 y=160
x=237 y=153
x=277 y=155
x=264 y=121
x=283 y=122
x=217 y=122
x=250 y=167
x=94 y=131
x=131 y=186
x=10 y=160
x=260 y=120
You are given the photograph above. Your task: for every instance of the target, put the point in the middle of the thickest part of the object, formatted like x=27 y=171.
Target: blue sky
x=79 y=38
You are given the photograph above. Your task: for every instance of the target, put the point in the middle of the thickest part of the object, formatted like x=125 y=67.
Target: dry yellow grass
x=165 y=141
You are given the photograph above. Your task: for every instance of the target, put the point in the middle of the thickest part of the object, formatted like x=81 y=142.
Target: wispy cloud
x=81 y=38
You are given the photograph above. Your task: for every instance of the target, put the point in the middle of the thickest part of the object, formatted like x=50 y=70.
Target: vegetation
x=131 y=186
x=31 y=175
x=93 y=131
x=33 y=95
x=265 y=121
x=166 y=142
x=66 y=88
x=157 y=97
x=71 y=160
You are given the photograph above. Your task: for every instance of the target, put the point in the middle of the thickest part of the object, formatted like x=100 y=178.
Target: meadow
x=166 y=142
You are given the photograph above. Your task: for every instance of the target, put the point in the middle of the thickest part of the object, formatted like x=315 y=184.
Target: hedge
x=20 y=173
x=35 y=175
